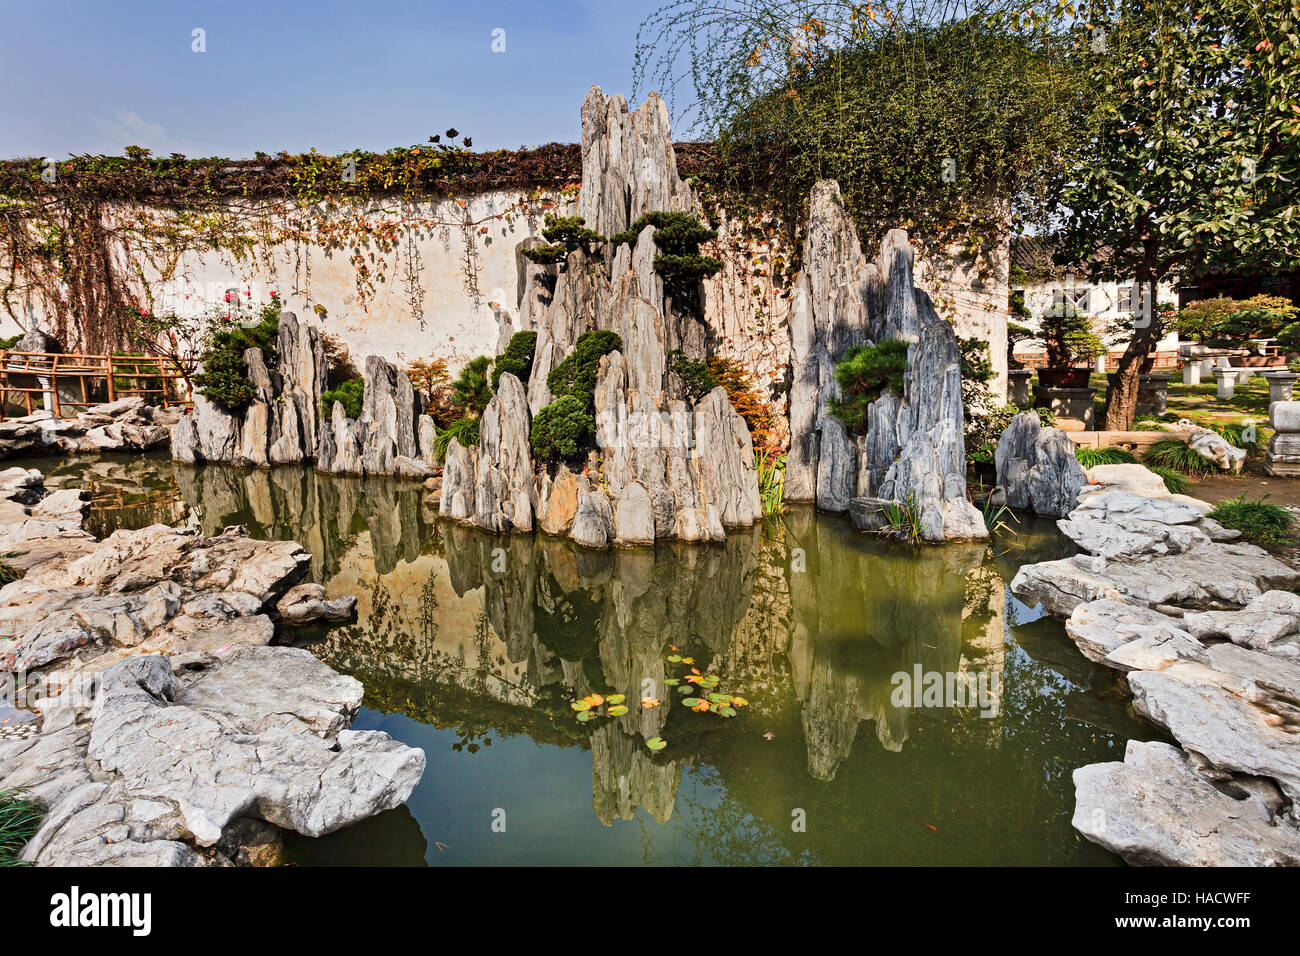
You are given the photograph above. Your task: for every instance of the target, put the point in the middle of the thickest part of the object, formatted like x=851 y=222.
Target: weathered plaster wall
x=436 y=310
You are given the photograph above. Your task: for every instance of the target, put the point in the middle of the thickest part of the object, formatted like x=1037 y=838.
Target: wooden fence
x=32 y=380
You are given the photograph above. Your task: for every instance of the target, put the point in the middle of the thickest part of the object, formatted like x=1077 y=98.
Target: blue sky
x=94 y=76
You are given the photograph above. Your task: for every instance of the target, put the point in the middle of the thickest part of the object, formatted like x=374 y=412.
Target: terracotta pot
x=1064 y=377
x=1259 y=361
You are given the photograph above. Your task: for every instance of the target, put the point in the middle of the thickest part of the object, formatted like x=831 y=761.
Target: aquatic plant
x=995 y=517
x=902 y=520
x=771 y=481
x=1258 y=521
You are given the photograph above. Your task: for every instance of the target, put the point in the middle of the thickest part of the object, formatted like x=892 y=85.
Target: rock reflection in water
x=491 y=637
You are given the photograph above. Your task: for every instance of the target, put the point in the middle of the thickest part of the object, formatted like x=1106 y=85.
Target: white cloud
x=129 y=128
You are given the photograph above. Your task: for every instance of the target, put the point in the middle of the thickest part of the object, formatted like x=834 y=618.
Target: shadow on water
x=472 y=647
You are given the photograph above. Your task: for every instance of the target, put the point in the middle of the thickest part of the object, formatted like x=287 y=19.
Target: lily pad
x=674 y=658
x=671 y=681
x=726 y=711
x=581 y=705
x=618 y=710
x=691 y=701
x=721 y=698
x=615 y=699
x=685 y=689
x=656 y=744
x=586 y=715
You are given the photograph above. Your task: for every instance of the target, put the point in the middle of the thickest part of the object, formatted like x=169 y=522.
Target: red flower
x=227 y=296
x=275 y=295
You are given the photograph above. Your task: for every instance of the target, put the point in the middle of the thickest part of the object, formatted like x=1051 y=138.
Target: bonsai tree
x=1067 y=335
x=1259 y=317
x=1017 y=333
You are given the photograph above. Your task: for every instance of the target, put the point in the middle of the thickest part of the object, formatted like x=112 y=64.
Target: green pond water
x=473 y=648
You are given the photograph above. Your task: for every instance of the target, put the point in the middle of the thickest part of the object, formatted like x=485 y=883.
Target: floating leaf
x=691 y=701
x=594 y=699
x=686 y=689
x=726 y=711
x=648 y=702
x=694 y=670
x=618 y=710
x=739 y=702
x=721 y=698
x=586 y=715
x=672 y=681
x=615 y=699
x=581 y=705
x=656 y=744
x=674 y=658
x=701 y=707
x=692 y=678
x=689 y=660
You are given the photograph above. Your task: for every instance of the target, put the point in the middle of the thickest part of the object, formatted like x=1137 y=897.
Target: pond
x=474 y=648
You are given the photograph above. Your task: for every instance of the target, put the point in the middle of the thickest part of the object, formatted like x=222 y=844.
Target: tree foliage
x=517 y=359
x=929 y=116
x=472 y=389
x=576 y=373
x=1191 y=156
x=561 y=429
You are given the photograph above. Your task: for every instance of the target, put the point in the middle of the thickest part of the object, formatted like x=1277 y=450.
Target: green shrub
x=677 y=237
x=698 y=378
x=1176 y=455
x=472 y=390
x=10 y=342
x=1258 y=521
x=351 y=393
x=464 y=430
x=561 y=429
x=564 y=234
x=1234 y=434
x=517 y=359
x=224 y=379
x=1088 y=457
x=7 y=571
x=576 y=374
x=19 y=820
x=867 y=370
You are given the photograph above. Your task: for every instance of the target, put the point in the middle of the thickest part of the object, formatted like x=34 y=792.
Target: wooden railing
x=40 y=374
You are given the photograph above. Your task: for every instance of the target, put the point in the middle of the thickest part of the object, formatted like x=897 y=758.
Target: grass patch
x=1088 y=457
x=19 y=820
x=7 y=571
x=1258 y=521
x=1172 y=454
x=464 y=430
x=1176 y=483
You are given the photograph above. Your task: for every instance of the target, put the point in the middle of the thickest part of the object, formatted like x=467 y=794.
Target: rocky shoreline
x=1207 y=631
x=146 y=706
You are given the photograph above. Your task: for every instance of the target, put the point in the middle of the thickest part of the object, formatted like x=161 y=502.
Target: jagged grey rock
x=505 y=491
x=1037 y=469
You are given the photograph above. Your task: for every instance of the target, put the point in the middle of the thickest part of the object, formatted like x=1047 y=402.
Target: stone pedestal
x=1153 y=394
x=1018 y=389
x=1069 y=405
x=1283 y=455
x=1099 y=364
x=1226 y=380
x=1280 y=385
x=1192 y=371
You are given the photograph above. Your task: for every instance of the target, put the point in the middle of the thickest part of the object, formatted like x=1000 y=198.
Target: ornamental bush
x=225 y=379
x=677 y=236
x=517 y=359
x=562 y=429
x=351 y=393
x=698 y=378
x=865 y=372
x=472 y=390
x=576 y=374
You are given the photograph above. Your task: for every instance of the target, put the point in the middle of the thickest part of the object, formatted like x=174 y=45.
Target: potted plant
x=1068 y=337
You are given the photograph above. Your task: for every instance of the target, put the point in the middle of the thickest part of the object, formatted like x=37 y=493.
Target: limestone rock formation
x=504 y=492
x=147 y=653
x=125 y=425
x=392 y=436
x=281 y=425
x=1037 y=469
x=1209 y=641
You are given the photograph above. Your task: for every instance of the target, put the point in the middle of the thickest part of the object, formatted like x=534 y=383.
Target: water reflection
x=471 y=644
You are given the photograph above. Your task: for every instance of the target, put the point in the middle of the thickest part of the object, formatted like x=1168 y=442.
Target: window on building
x=1081 y=299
